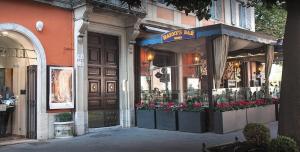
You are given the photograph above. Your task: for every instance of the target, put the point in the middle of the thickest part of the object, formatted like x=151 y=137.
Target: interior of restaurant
x=179 y=71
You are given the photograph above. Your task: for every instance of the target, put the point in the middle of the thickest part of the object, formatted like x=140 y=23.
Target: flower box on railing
x=146 y=118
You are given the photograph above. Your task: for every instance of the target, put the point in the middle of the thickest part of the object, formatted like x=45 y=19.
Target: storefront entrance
x=103 y=87
x=18 y=87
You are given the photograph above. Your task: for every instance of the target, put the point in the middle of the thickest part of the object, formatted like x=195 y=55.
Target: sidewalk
x=132 y=140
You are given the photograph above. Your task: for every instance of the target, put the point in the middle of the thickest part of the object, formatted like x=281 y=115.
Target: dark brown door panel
x=103 y=71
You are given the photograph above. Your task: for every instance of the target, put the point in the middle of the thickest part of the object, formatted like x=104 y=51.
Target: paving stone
x=132 y=140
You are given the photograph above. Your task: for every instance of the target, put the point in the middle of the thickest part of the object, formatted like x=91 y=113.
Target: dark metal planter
x=4 y=117
x=166 y=120
x=192 y=121
x=145 y=119
x=3 y=123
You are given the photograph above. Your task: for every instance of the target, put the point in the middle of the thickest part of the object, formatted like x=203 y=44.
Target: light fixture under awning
x=155 y=29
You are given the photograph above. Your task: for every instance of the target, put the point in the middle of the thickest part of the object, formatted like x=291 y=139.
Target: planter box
x=229 y=121
x=166 y=120
x=145 y=119
x=3 y=123
x=64 y=129
x=4 y=118
x=263 y=114
x=192 y=121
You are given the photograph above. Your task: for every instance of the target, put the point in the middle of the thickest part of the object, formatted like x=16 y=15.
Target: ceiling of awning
x=199 y=44
x=240 y=44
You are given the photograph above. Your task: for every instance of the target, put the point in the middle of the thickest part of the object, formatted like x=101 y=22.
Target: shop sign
x=165 y=78
x=80 y=60
x=178 y=35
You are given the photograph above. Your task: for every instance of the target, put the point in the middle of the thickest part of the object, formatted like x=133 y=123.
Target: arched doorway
x=24 y=64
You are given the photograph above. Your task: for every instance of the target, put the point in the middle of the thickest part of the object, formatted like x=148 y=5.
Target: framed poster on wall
x=61 y=88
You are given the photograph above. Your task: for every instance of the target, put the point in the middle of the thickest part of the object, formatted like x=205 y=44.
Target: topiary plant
x=257 y=134
x=283 y=144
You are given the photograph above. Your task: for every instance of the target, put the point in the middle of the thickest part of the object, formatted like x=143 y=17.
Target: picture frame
x=61 y=88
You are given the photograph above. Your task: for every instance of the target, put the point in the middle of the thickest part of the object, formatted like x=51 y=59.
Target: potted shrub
x=145 y=115
x=191 y=117
x=261 y=111
x=257 y=134
x=283 y=144
x=64 y=125
x=166 y=116
x=230 y=116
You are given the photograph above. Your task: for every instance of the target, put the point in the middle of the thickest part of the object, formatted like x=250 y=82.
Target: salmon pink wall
x=57 y=35
x=187 y=59
x=188 y=20
x=144 y=63
x=165 y=13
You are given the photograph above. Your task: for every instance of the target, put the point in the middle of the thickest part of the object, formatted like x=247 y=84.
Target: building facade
x=26 y=45
x=97 y=38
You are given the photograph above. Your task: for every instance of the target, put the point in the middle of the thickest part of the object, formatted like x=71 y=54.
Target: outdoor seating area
x=215 y=78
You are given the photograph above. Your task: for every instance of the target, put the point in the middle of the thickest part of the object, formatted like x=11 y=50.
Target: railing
x=238 y=94
x=174 y=95
x=219 y=95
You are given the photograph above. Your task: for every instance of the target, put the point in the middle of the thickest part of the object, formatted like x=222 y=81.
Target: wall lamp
x=150 y=56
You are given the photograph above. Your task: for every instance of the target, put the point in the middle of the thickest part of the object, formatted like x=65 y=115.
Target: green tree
x=271 y=21
x=289 y=114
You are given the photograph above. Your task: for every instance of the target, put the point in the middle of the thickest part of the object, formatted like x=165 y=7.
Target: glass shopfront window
x=172 y=77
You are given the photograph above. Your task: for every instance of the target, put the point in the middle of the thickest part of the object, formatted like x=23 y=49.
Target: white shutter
x=233 y=11
x=212 y=10
x=219 y=9
x=248 y=18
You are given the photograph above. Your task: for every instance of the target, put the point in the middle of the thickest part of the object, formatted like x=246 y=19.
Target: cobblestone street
x=131 y=140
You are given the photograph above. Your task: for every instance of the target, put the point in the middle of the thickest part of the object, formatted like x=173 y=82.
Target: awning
x=240 y=39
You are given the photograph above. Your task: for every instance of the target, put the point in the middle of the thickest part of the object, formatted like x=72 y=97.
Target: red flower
x=275 y=100
x=197 y=105
x=183 y=105
x=227 y=106
x=167 y=106
x=146 y=106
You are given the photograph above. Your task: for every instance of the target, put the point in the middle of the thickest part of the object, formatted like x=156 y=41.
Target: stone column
x=131 y=32
x=80 y=66
x=180 y=77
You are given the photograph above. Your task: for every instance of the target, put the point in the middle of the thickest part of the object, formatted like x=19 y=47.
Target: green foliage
x=283 y=144
x=257 y=134
x=63 y=117
x=132 y=3
x=271 y=21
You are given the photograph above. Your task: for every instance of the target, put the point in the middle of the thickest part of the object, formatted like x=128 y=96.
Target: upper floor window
x=242 y=16
x=216 y=9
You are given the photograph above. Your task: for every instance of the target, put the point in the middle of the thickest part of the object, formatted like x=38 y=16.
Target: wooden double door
x=103 y=81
